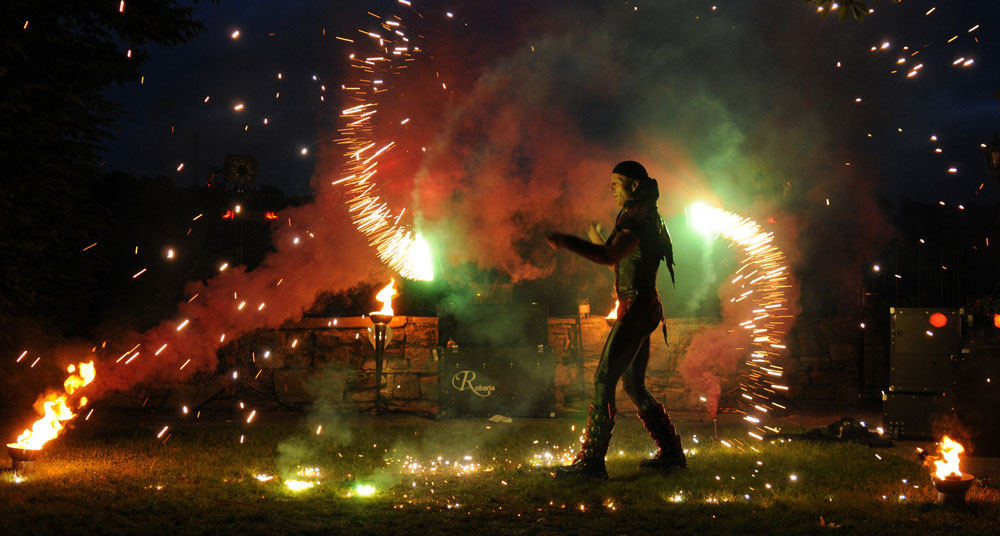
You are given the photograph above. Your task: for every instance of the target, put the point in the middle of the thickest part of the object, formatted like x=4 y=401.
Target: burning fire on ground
x=947 y=460
x=57 y=409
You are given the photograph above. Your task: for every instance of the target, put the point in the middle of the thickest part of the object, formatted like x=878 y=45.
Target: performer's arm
x=618 y=248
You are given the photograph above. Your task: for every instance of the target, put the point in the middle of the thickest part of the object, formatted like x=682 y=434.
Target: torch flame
x=613 y=315
x=385 y=296
x=56 y=411
x=947 y=465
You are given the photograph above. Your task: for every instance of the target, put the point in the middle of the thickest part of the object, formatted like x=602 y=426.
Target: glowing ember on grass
x=56 y=409
x=298 y=485
x=364 y=490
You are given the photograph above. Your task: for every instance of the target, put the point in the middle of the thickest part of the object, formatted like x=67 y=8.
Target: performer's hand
x=595 y=234
x=556 y=240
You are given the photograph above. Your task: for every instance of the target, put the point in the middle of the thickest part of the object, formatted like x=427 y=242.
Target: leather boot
x=670 y=454
x=589 y=462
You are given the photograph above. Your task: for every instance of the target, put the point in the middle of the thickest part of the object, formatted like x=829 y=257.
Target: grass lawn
x=113 y=475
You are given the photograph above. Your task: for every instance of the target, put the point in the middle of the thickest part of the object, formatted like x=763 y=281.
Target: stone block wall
x=332 y=360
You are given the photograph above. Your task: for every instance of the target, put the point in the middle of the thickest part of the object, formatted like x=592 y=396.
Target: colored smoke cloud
x=329 y=256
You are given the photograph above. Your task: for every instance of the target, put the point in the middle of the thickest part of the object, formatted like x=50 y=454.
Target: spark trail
x=763 y=282
x=398 y=246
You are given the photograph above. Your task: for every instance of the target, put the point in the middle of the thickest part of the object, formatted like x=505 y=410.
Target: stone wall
x=333 y=360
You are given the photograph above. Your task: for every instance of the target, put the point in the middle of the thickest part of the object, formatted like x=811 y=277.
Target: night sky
x=795 y=46
x=512 y=114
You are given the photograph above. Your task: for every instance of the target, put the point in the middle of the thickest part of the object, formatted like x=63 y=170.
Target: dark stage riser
x=945 y=382
x=483 y=325
x=482 y=382
x=922 y=362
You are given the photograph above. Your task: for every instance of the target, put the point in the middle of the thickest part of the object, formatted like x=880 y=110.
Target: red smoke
x=330 y=255
x=715 y=353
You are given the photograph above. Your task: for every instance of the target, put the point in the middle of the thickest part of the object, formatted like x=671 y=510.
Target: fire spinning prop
x=56 y=411
x=398 y=247
x=762 y=282
x=949 y=481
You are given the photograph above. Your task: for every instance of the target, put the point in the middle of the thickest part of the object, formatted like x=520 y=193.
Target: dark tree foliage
x=847 y=8
x=56 y=59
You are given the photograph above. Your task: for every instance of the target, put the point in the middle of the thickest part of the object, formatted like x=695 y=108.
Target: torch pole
x=379 y=354
x=381 y=323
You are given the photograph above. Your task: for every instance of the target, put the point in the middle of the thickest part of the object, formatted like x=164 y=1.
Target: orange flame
x=613 y=315
x=947 y=464
x=56 y=410
x=385 y=296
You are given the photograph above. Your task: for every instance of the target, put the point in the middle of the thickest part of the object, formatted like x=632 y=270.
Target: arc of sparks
x=398 y=246
x=762 y=280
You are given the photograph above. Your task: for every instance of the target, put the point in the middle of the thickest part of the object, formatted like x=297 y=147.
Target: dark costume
x=626 y=352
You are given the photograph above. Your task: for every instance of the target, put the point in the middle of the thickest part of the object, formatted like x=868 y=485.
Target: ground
x=118 y=474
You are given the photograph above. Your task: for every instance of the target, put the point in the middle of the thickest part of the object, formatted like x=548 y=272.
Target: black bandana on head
x=631 y=169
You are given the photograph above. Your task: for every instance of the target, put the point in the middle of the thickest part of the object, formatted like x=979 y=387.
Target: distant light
x=239 y=107
x=450 y=14
x=304 y=151
x=876 y=268
x=938 y=320
x=235 y=34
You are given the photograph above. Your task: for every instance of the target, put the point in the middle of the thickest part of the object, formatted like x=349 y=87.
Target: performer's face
x=621 y=188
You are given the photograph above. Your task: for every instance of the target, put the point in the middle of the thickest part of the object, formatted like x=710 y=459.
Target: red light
x=938 y=320
x=270 y=215
x=996 y=320
x=228 y=215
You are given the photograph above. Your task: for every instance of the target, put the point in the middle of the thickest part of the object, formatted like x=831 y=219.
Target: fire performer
x=635 y=247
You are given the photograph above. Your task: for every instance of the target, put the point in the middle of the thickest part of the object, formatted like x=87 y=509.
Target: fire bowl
x=379 y=318
x=23 y=455
x=951 y=491
x=24 y=459
x=611 y=321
